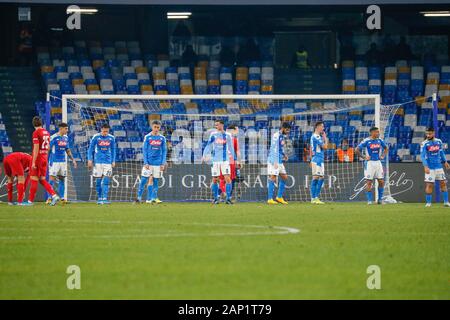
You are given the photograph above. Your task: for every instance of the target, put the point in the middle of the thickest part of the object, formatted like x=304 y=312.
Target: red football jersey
x=42 y=137
x=19 y=157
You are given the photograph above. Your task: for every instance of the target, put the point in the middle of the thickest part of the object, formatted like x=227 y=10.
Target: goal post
x=187 y=121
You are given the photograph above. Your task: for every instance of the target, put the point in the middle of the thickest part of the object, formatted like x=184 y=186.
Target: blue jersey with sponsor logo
x=154 y=150
x=58 y=147
x=373 y=148
x=317 y=152
x=432 y=153
x=220 y=145
x=276 y=151
x=102 y=149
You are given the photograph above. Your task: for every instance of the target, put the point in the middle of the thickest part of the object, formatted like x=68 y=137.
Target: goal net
x=188 y=120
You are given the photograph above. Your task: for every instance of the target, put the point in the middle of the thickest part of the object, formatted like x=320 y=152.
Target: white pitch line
x=277 y=230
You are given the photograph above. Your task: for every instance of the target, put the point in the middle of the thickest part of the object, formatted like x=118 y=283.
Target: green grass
x=196 y=251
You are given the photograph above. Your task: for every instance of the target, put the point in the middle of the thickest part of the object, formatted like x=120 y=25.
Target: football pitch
x=244 y=251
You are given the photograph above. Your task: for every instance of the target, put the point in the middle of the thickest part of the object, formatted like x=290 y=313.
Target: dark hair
x=318 y=123
x=105 y=126
x=219 y=121
x=156 y=122
x=431 y=129
x=232 y=127
x=286 y=125
x=373 y=129
x=63 y=125
x=37 y=122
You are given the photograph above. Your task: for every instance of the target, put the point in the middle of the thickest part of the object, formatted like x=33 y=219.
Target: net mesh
x=187 y=124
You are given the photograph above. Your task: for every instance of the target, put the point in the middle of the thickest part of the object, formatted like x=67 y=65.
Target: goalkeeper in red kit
x=39 y=164
x=16 y=165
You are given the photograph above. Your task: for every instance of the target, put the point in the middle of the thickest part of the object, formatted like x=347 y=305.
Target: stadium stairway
x=19 y=89
x=307 y=81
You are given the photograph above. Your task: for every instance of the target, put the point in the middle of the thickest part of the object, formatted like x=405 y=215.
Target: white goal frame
x=375 y=97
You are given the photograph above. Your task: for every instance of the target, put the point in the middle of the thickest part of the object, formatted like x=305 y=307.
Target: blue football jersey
x=154 y=150
x=58 y=147
x=102 y=149
x=373 y=148
x=276 y=151
x=220 y=145
x=432 y=153
x=317 y=151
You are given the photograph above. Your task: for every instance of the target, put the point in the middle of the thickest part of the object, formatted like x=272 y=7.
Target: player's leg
x=225 y=170
x=228 y=187
x=215 y=173
x=107 y=173
x=428 y=193
x=281 y=184
x=380 y=190
x=430 y=178
x=314 y=181
x=9 y=186
x=10 y=183
x=222 y=184
x=150 y=189
x=97 y=174
x=444 y=191
x=369 y=195
x=157 y=175
x=143 y=184
x=20 y=188
x=49 y=189
x=33 y=187
x=320 y=180
x=272 y=175
x=52 y=182
x=62 y=187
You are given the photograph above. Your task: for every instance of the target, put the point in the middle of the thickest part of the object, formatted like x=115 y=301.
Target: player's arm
x=276 y=143
x=113 y=152
x=324 y=143
x=145 y=152
x=35 y=150
x=164 y=154
x=230 y=146
x=70 y=155
x=359 y=149
x=423 y=158
x=91 y=152
x=207 y=151
x=444 y=159
x=385 y=149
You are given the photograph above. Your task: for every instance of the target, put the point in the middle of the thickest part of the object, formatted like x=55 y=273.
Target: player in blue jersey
x=218 y=150
x=318 y=144
x=433 y=156
x=154 y=150
x=374 y=150
x=102 y=159
x=275 y=166
x=59 y=148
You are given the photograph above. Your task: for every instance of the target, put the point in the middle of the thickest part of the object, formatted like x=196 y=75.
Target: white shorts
x=435 y=174
x=58 y=169
x=318 y=170
x=102 y=169
x=154 y=171
x=220 y=167
x=271 y=171
x=373 y=170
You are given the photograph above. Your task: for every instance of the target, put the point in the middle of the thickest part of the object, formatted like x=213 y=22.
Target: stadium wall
x=183 y=183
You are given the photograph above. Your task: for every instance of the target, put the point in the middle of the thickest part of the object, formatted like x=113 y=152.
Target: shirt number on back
x=45 y=143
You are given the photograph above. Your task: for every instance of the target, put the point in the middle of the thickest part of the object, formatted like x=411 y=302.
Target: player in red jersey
x=38 y=171
x=17 y=164
x=234 y=163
